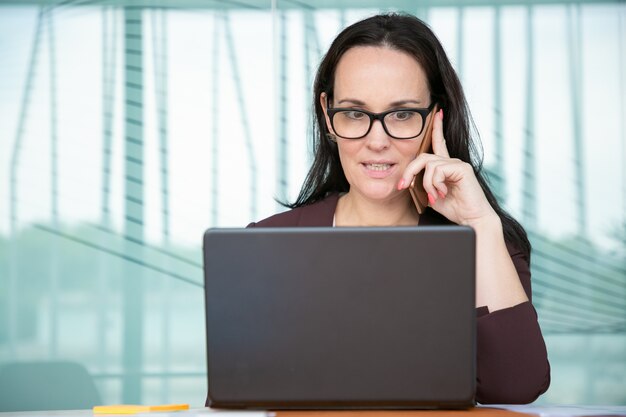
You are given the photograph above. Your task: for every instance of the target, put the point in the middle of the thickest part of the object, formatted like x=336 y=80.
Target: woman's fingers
x=435 y=179
x=439 y=142
x=435 y=173
x=452 y=187
x=413 y=168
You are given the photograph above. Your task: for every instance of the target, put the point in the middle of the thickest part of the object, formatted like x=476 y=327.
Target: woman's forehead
x=376 y=72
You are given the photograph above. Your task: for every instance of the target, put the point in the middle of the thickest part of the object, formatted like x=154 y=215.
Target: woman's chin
x=379 y=191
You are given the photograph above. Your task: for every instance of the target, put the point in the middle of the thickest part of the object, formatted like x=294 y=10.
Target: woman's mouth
x=378 y=169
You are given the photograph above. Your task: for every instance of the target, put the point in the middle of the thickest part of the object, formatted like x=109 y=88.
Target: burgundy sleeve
x=511 y=358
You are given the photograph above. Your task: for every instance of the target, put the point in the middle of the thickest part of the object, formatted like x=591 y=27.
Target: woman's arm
x=498 y=284
x=512 y=361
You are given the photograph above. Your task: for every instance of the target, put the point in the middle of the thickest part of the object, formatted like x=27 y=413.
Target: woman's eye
x=403 y=115
x=355 y=115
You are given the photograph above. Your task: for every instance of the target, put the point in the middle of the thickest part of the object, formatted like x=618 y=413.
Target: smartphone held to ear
x=419 y=195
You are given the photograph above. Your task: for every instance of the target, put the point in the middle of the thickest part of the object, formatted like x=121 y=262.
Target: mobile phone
x=419 y=195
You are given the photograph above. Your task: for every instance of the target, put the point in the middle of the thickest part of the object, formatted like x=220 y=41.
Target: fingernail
x=431 y=199
x=441 y=194
x=441 y=114
x=401 y=184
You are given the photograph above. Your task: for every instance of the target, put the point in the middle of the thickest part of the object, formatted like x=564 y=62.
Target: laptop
x=340 y=318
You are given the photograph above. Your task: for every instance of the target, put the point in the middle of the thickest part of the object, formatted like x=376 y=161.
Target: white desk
x=490 y=411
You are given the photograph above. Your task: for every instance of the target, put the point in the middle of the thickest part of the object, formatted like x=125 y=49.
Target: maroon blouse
x=512 y=362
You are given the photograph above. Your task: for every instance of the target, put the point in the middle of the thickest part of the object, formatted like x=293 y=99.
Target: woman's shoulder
x=318 y=214
x=284 y=219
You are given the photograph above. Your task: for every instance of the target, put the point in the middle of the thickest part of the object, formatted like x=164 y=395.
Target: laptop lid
x=340 y=317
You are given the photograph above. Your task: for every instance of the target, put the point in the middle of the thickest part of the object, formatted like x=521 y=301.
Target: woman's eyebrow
x=351 y=101
x=393 y=104
x=405 y=102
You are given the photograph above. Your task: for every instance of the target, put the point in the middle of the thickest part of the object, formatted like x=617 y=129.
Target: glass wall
x=127 y=129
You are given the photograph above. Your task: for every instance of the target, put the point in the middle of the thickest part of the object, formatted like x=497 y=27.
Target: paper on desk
x=565 y=410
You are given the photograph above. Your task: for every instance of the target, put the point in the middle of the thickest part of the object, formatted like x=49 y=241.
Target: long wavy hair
x=410 y=35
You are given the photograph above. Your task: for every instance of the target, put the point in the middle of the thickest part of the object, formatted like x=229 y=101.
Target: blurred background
x=129 y=127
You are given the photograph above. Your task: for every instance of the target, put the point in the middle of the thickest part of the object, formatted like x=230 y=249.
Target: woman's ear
x=324 y=104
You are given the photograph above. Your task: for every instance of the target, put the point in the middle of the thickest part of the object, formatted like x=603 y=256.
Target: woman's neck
x=355 y=210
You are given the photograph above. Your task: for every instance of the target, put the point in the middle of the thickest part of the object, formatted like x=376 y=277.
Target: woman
x=375 y=90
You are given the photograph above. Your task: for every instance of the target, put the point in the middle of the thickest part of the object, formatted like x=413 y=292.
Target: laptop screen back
x=340 y=317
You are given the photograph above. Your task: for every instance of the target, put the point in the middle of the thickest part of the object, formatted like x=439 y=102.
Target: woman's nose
x=377 y=138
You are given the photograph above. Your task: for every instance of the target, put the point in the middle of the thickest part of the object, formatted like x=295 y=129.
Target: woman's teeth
x=378 y=167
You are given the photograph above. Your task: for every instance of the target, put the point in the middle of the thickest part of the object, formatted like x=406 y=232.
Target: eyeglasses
x=403 y=123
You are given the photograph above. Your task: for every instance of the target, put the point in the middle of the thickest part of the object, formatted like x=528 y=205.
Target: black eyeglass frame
x=423 y=111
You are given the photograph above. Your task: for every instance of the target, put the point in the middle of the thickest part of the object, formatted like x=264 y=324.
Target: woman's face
x=377 y=79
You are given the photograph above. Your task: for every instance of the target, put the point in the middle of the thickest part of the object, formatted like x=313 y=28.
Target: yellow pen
x=134 y=409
